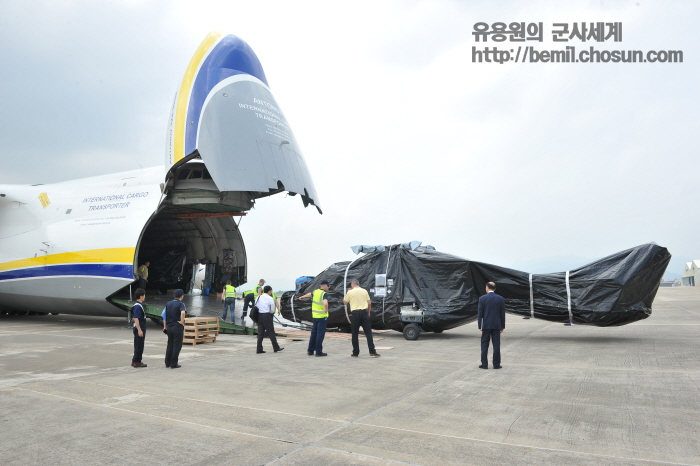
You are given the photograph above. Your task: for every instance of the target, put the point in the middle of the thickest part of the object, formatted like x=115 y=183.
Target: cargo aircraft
x=71 y=247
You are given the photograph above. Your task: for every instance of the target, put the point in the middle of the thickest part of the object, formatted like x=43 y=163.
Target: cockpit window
x=183 y=174
x=196 y=174
x=207 y=176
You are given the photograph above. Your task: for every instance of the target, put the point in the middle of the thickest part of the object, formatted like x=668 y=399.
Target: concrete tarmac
x=566 y=395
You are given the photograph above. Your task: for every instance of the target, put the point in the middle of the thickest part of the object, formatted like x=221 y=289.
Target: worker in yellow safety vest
x=259 y=288
x=229 y=299
x=319 y=312
x=277 y=303
x=143 y=274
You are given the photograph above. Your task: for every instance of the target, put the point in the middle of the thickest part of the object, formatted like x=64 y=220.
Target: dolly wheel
x=437 y=331
x=411 y=332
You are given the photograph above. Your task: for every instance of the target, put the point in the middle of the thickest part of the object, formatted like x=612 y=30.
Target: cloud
x=84 y=76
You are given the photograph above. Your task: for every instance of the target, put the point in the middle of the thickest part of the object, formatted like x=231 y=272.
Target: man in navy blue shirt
x=174 y=323
x=139 y=328
x=492 y=321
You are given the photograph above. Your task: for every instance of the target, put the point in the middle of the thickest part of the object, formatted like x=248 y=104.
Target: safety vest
x=143 y=272
x=246 y=293
x=318 y=309
x=258 y=290
x=229 y=291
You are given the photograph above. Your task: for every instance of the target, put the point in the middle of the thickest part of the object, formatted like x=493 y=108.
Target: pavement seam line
x=310 y=444
x=357 y=421
x=459 y=369
x=302 y=446
x=19 y=332
x=71 y=336
x=181 y=421
x=361 y=454
x=532 y=447
x=100 y=405
x=608 y=368
x=209 y=402
x=681 y=307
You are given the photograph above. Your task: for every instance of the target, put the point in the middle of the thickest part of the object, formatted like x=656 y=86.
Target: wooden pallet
x=200 y=330
x=196 y=341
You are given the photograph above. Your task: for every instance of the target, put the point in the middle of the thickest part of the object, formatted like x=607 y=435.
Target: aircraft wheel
x=411 y=332
x=437 y=331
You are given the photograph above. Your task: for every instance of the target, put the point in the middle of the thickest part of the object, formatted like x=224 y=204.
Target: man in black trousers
x=266 y=309
x=492 y=321
x=174 y=324
x=139 y=328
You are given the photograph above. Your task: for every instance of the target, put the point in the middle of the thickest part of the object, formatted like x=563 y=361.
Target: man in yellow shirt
x=360 y=306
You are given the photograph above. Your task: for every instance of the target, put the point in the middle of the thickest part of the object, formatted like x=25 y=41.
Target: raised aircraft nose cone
x=226 y=113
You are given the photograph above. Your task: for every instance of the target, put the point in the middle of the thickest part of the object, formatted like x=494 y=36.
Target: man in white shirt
x=266 y=307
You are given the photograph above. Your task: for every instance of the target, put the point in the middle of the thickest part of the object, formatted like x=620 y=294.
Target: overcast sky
x=520 y=164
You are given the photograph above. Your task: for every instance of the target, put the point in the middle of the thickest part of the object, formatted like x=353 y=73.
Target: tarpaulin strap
x=568 y=298
x=386 y=272
x=532 y=301
x=345 y=288
x=292 y=301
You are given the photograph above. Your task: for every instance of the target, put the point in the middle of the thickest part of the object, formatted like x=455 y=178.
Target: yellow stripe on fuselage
x=183 y=97
x=110 y=255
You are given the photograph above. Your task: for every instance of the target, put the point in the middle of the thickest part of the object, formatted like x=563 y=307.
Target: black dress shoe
x=259 y=352
x=310 y=353
x=483 y=367
x=497 y=367
x=354 y=355
x=278 y=350
x=176 y=366
x=321 y=354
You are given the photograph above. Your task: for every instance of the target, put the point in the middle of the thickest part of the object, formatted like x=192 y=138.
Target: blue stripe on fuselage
x=231 y=56
x=95 y=270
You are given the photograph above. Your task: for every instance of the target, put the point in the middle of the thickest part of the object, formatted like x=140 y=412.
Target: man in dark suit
x=492 y=321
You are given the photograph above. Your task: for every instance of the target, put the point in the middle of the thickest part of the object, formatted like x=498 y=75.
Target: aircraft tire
x=411 y=332
x=437 y=331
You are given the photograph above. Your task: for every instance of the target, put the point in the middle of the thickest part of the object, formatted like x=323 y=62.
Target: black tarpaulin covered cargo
x=616 y=290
